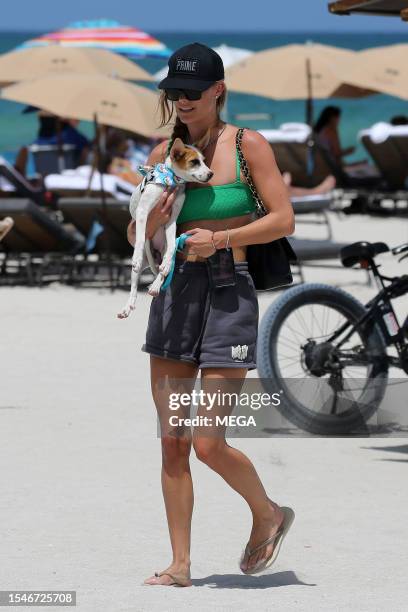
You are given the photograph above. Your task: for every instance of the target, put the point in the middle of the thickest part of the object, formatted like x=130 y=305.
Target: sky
x=193 y=15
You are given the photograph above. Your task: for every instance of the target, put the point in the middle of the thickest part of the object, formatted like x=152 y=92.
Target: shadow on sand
x=238 y=581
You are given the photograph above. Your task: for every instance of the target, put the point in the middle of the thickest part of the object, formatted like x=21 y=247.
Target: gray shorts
x=191 y=322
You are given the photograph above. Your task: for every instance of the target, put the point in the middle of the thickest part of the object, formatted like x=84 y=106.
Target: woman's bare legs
x=234 y=466
x=176 y=479
x=325 y=186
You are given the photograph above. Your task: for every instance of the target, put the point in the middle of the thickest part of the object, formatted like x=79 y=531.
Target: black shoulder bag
x=268 y=263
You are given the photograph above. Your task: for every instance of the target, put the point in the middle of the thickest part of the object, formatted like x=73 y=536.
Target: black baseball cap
x=194 y=66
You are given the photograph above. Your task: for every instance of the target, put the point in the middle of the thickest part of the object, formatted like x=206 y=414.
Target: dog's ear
x=177 y=150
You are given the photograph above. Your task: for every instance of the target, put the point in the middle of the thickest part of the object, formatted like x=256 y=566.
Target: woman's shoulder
x=158 y=153
x=253 y=143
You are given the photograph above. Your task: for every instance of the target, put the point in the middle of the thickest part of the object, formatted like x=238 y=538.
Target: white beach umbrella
x=229 y=56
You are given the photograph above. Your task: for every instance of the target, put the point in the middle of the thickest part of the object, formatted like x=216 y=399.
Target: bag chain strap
x=260 y=208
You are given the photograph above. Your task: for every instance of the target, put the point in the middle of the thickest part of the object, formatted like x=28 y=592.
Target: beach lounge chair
x=36 y=240
x=104 y=228
x=14 y=184
x=297 y=152
x=388 y=146
x=35 y=230
x=285 y=142
x=74 y=183
x=114 y=218
x=50 y=159
x=315 y=253
x=315 y=208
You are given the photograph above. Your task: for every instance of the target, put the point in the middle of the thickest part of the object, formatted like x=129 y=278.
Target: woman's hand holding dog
x=159 y=215
x=200 y=242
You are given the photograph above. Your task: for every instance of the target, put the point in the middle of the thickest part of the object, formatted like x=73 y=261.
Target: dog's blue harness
x=159 y=174
x=180 y=242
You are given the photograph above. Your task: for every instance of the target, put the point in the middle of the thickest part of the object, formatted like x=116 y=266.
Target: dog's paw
x=125 y=312
x=154 y=288
x=136 y=265
x=165 y=267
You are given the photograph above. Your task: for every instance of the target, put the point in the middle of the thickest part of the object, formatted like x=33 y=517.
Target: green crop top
x=217 y=201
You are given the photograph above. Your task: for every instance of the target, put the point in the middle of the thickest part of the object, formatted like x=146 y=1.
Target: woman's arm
x=280 y=220
x=338 y=151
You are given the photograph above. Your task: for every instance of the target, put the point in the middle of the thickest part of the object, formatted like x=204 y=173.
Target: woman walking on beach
x=194 y=325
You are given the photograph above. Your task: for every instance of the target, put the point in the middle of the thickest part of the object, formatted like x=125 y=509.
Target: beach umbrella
x=105 y=34
x=294 y=72
x=232 y=55
x=229 y=56
x=371 y=7
x=384 y=69
x=102 y=99
x=116 y=103
x=37 y=62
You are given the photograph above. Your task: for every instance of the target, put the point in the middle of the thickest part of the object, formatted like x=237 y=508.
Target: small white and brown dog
x=184 y=163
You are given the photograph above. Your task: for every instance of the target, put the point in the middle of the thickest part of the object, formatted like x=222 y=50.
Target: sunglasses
x=190 y=94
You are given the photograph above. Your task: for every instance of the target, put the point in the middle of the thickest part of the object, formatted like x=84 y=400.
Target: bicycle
x=338 y=342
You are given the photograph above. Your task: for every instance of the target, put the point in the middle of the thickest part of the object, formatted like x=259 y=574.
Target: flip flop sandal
x=278 y=536
x=178 y=581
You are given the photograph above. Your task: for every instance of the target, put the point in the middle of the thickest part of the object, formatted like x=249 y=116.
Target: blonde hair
x=180 y=130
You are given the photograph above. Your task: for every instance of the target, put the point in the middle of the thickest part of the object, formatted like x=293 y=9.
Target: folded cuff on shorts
x=147 y=348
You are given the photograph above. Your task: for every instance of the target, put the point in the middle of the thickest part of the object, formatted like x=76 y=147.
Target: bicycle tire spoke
x=317 y=393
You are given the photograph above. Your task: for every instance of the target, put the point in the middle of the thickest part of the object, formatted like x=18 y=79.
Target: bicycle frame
x=378 y=308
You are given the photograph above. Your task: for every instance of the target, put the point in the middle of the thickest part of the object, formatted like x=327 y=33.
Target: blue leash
x=180 y=242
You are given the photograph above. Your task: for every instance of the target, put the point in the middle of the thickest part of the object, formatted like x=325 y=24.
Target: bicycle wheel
x=330 y=385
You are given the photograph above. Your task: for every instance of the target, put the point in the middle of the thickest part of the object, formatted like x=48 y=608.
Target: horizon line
x=13 y=30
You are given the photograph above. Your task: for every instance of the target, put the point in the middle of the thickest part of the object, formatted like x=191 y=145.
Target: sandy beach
x=81 y=506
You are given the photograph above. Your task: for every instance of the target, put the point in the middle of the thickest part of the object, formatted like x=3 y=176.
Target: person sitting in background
x=327 y=134
x=324 y=187
x=53 y=130
x=139 y=148
x=113 y=159
x=122 y=156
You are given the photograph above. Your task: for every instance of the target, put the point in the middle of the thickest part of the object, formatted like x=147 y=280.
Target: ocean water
x=17 y=129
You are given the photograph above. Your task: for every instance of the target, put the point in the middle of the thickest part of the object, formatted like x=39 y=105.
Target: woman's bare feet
x=262 y=529
x=5 y=226
x=287 y=178
x=174 y=573
x=325 y=186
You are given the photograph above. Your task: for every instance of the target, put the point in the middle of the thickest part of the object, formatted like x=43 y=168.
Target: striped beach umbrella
x=105 y=34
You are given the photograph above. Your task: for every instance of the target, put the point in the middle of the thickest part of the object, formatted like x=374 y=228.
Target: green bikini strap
x=169 y=146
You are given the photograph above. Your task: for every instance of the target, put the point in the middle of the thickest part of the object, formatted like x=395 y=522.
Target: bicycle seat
x=354 y=253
